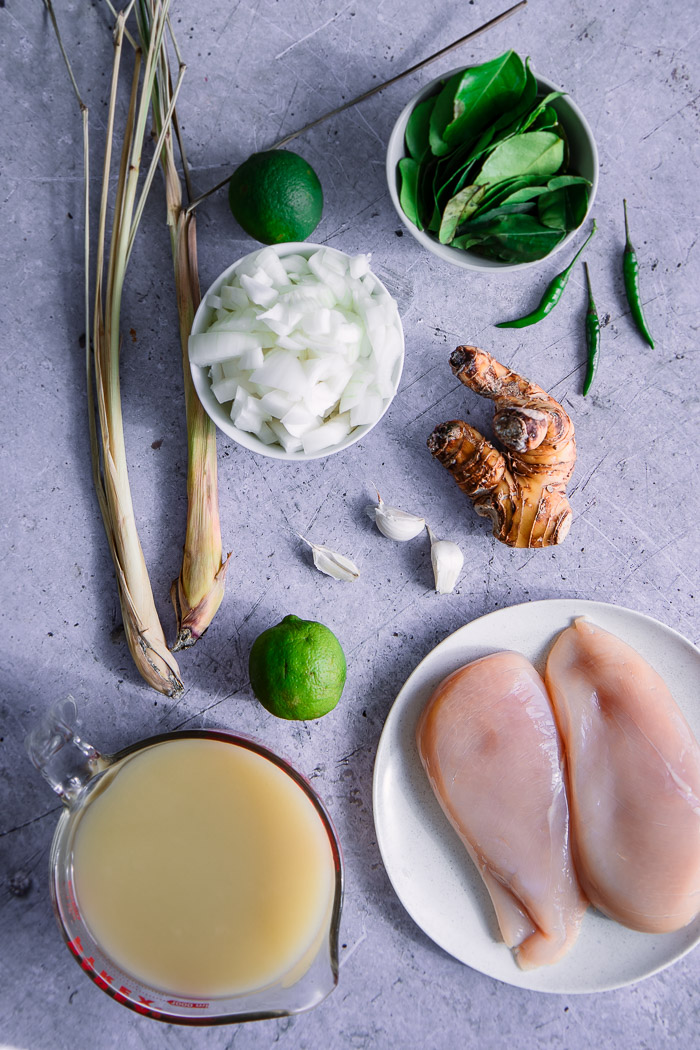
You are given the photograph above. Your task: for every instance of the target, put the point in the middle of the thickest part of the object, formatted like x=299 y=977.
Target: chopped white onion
x=209 y=347
x=232 y=296
x=299 y=420
x=258 y=291
x=288 y=443
x=303 y=350
x=325 y=436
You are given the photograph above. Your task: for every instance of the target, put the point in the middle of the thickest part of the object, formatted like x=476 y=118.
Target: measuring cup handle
x=65 y=760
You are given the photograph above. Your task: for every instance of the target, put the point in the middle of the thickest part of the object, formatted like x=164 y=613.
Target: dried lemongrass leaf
x=199 y=589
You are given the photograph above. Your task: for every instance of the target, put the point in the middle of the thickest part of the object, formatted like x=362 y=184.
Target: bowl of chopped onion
x=296 y=350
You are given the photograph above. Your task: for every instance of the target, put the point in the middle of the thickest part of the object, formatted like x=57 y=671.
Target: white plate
x=427 y=864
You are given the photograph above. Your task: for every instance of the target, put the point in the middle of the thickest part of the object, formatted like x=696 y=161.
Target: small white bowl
x=219 y=413
x=583 y=161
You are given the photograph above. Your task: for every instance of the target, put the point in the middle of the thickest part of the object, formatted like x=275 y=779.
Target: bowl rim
x=459 y=257
x=202 y=383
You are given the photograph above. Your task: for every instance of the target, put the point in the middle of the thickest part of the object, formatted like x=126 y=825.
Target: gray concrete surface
x=258 y=68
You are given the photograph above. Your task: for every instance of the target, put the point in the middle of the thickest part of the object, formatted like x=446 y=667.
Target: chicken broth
x=202 y=868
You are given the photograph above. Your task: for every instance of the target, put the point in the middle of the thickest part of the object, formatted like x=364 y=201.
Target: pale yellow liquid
x=202 y=869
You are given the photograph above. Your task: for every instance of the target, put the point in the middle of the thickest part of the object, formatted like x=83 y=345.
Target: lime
x=276 y=196
x=297 y=669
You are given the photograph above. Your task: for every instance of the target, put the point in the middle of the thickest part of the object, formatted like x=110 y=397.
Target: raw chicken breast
x=634 y=781
x=490 y=748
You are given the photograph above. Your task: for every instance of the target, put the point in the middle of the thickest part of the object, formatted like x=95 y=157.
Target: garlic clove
x=393 y=523
x=447 y=560
x=332 y=563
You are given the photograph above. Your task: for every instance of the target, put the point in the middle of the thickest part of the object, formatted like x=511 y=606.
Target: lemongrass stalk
x=142 y=627
x=199 y=589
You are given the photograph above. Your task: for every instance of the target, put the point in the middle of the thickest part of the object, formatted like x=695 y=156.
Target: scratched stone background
x=258 y=68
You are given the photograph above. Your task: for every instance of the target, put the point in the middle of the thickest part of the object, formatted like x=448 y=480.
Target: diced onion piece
x=349 y=332
x=282 y=372
x=251 y=359
x=281 y=318
x=261 y=275
x=269 y=262
x=208 y=347
x=288 y=443
x=340 y=287
x=340 y=378
x=225 y=389
x=330 y=273
x=291 y=342
x=316 y=369
x=295 y=264
x=335 y=261
x=352 y=353
x=324 y=345
x=355 y=389
x=242 y=321
x=266 y=434
x=365 y=346
x=230 y=369
x=258 y=292
x=246 y=411
x=276 y=403
x=317 y=322
x=358 y=266
x=233 y=297
x=327 y=435
x=368 y=410
x=391 y=347
x=299 y=419
x=320 y=399
x=305 y=295
x=249 y=421
x=384 y=383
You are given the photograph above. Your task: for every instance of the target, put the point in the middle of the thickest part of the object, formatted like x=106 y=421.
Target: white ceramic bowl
x=584 y=161
x=220 y=413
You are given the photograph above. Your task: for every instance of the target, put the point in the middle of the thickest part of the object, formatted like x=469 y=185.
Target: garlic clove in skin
x=447 y=561
x=393 y=523
x=331 y=563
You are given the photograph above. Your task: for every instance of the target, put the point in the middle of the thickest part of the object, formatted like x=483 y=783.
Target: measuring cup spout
x=65 y=760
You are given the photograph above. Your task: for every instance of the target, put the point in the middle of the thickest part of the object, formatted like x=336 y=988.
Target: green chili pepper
x=592 y=336
x=630 y=271
x=552 y=293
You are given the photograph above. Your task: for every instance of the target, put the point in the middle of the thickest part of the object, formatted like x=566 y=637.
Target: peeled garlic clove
x=393 y=523
x=447 y=561
x=332 y=563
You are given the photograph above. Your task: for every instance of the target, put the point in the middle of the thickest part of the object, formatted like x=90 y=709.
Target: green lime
x=297 y=669
x=276 y=196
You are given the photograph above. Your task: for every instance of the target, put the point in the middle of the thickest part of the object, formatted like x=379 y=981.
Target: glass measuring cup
x=79 y=774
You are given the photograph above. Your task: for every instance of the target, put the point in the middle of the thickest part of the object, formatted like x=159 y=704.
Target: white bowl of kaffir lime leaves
x=492 y=167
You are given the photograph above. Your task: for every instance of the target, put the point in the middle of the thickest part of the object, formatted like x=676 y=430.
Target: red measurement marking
x=191 y=1006
x=104 y=980
x=121 y=995
x=72 y=902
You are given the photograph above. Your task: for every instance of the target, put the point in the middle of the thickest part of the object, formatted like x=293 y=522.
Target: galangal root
x=523 y=489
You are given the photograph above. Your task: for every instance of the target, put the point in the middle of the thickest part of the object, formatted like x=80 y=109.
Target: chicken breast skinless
x=634 y=781
x=489 y=745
